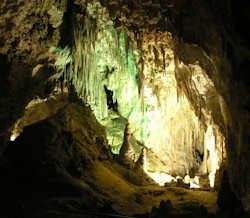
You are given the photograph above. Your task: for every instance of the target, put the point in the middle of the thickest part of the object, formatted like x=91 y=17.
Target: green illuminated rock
x=103 y=56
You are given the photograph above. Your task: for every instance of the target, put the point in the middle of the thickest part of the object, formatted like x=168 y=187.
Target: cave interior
x=124 y=108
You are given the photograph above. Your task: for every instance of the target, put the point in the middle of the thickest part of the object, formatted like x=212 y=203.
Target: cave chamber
x=122 y=109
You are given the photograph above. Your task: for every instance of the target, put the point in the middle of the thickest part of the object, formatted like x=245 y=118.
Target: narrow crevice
x=111 y=104
x=66 y=28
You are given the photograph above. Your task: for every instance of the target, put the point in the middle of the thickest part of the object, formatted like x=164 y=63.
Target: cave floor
x=55 y=170
x=131 y=192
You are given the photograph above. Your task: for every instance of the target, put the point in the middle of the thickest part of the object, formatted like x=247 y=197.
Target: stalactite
x=86 y=81
x=142 y=87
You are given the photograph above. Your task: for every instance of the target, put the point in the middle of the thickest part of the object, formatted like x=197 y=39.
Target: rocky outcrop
x=28 y=29
x=43 y=168
x=62 y=167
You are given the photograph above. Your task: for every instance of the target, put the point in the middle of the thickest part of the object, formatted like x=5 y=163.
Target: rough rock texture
x=39 y=109
x=199 y=42
x=163 y=100
x=43 y=168
x=62 y=167
x=26 y=32
x=210 y=36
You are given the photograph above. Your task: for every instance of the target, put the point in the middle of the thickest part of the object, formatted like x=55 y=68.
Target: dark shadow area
x=39 y=177
x=5 y=69
x=66 y=29
x=111 y=104
x=228 y=203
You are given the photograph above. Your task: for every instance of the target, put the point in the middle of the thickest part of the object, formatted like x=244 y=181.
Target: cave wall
x=28 y=28
x=45 y=171
x=204 y=36
x=146 y=95
x=174 y=73
x=210 y=34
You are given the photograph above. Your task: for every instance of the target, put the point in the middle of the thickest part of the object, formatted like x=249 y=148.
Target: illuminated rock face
x=164 y=100
x=143 y=79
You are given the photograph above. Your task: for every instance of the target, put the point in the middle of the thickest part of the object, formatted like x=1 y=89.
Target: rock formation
x=75 y=74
